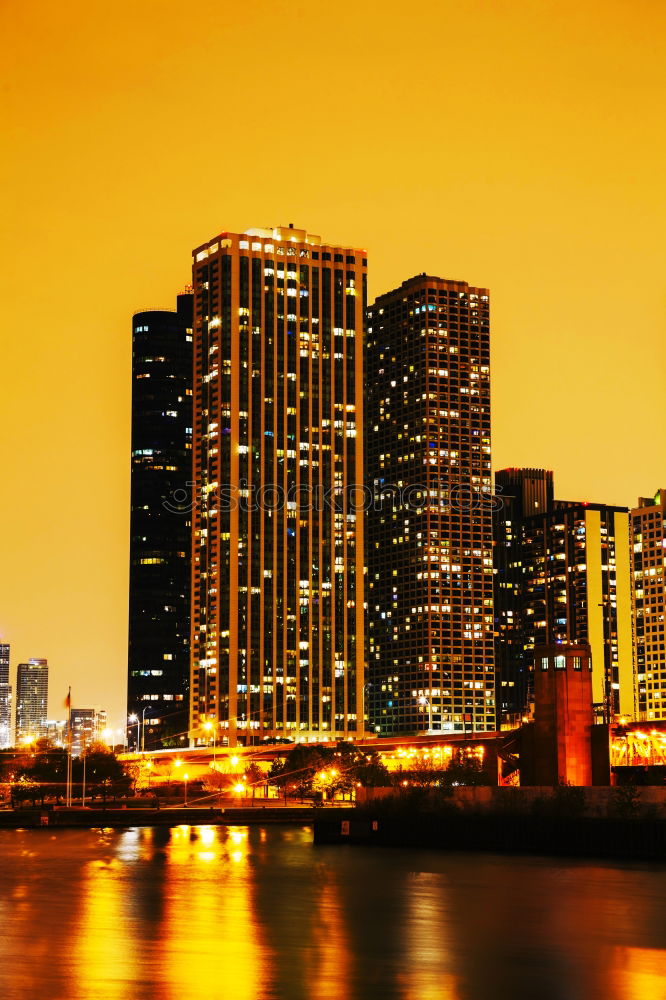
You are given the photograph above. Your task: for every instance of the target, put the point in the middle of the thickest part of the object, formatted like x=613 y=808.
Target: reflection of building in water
x=104 y=948
x=637 y=972
x=210 y=916
x=427 y=937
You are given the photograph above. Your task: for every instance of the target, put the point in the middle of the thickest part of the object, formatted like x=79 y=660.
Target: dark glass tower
x=562 y=576
x=520 y=493
x=160 y=524
x=429 y=529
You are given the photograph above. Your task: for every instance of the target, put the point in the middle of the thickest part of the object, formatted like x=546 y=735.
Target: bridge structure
x=396 y=753
x=631 y=746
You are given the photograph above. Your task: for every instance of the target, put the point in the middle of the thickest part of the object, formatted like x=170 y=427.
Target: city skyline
x=531 y=164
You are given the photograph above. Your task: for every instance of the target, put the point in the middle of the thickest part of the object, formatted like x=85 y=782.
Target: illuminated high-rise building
x=277 y=592
x=429 y=527
x=160 y=522
x=648 y=548
x=562 y=577
x=5 y=698
x=32 y=691
x=520 y=493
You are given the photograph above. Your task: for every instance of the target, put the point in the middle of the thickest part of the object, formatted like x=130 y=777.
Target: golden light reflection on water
x=640 y=973
x=430 y=962
x=104 y=945
x=326 y=960
x=204 y=913
x=211 y=936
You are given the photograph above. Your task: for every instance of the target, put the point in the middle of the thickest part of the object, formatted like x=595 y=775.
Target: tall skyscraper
x=429 y=551
x=520 y=493
x=5 y=698
x=648 y=548
x=160 y=521
x=277 y=594
x=32 y=691
x=562 y=576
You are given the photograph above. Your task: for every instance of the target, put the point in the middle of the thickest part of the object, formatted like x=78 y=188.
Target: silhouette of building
x=520 y=493
x=562 y=575
x=160 y=521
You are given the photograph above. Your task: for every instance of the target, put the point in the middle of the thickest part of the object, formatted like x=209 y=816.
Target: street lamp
x=143 y=727
x=185 y=777
x=208 y=726
x=135 y=718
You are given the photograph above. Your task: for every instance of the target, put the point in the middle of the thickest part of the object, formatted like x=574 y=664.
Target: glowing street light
x=135 y=718
x=208 y=726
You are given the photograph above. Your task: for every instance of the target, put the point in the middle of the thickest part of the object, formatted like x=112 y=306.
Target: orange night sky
x=516 y=144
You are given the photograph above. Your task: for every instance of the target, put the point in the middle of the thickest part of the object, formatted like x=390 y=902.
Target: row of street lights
x=209 y=727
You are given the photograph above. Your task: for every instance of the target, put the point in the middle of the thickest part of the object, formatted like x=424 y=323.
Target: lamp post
x=185 y=777
x=143 y=727
x=609 y=694
x=135 y=718
x=83 y=785
x=208 y=726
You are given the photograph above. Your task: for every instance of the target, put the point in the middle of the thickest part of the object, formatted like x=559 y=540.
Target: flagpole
x=69 y=748
x=83 y=787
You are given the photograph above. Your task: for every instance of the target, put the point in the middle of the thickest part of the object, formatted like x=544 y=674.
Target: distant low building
x=56 y=731
x=88 y=725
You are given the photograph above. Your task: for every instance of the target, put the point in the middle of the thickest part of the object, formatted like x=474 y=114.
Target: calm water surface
x=200 y=913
